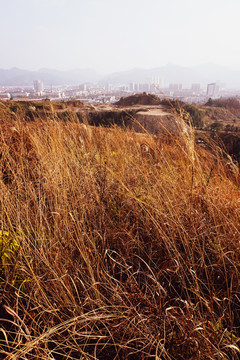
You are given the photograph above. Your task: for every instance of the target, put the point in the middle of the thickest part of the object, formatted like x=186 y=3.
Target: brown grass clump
x=139 y=99
x=115 y=245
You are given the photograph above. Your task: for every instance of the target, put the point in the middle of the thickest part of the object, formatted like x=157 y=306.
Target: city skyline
x=114 y=36
x=169 y=74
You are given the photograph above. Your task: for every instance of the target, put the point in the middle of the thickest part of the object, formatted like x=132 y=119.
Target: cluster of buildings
x=103 y=92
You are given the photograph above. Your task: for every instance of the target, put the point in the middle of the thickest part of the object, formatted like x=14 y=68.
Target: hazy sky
x=112 y=35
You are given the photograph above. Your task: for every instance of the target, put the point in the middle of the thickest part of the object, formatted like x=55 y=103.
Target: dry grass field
x=116 y=245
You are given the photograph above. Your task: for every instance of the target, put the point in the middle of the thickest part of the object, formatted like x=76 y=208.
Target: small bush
x=231 y=104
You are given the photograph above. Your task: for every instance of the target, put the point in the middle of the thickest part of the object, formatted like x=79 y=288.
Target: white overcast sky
x=112 y=35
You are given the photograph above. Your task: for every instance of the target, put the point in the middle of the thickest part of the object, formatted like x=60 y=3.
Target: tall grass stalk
x=122 y=253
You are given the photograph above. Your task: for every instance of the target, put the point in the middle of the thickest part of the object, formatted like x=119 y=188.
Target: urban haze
x=109 y=48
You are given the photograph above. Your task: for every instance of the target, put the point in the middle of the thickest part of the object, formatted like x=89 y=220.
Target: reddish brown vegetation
x=127 y=245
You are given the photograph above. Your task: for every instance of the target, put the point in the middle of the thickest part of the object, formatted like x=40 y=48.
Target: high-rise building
x=212 y=89
x=196 y=88
x=38 y=86
x=132 y=86
x=83 y=87
x=175 y=87
x=157 y=82
x=136 y=87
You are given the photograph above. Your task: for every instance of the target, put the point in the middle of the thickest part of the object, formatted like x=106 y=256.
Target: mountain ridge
x=20 y=77
x=170 y=73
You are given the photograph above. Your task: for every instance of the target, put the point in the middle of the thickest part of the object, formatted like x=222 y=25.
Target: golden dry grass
x=116 y=245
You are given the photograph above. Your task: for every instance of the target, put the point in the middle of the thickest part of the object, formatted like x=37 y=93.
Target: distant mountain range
x=170 y=73
x=19 y=77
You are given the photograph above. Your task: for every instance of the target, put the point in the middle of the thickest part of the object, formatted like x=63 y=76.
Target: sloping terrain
x=155 y=119
x=116 y=245
x=220 y=114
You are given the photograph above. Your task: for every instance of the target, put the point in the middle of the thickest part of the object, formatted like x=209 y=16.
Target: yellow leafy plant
x=8 y=246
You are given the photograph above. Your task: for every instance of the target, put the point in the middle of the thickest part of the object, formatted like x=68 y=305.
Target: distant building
x=157 y=82
x=144 y=87
x=38 y=86
x=83 y=87
x=221 y=85
x=212 y=90
x=175 y=87
x=5 y=96
x=132 y=86
x=196 y=88
x=136 y=87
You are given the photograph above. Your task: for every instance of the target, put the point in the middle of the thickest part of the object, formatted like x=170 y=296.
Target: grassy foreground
x=115 y=245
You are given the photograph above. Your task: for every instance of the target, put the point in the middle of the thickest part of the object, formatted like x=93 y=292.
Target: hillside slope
x=116 y=245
